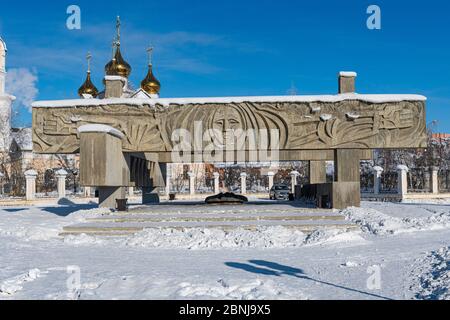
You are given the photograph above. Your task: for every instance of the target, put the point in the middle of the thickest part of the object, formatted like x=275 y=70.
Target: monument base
x=150 y=196
x=335 y=195
x=107 y=196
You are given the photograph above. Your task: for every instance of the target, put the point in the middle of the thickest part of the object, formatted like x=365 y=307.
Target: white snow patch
x=326 y=117
x=101 y=128
x=350 y=264
x=378 y=223
x=350 y=74
x=432 y=276
x=253 y=290
x=353 y=116
x=198 y=238
x=13 y=285
x=371 y=98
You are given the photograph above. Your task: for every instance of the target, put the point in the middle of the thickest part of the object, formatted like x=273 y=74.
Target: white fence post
x=294 y=174
x=191 y=182
x=243 y=183
x=61 y=175
x=435 y=180
x=377 y=171
x=30 y=177
x=402 y=179
x=271 y=175
x=216 y=176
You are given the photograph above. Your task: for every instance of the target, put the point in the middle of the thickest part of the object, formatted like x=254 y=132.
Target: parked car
x=279 y=192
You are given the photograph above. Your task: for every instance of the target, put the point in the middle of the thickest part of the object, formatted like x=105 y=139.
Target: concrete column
x=30 y=177
x=114 y=86
x=191 y=183
x=317 y=172
x=346 y=190
x=2 y=191
x=216 y=183
x=61 y=176
x=131 y=191
x=107 y=196
x=271 y=175
x=377 y=171
x=347 y=82
x=243 y=183
x=87 y=192
x=150 y=195
x=168 y=176
x=102 y=163
x=402 y=179
x=294 y=174
x=435 y=180
x=346 y=165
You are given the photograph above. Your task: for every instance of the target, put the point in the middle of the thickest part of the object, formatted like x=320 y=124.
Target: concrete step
x=213 y=218
x=127 y=228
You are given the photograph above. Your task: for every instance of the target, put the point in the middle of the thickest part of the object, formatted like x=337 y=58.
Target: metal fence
x=367 y=182
x=46 y=184
x=389 y=182
x=419 y=181
x=444 y=180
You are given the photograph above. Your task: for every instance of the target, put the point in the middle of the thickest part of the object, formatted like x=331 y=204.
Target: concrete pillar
x=377 y=171
x=150 y=195
x=2 y=191
x=87 y=192
x=402 y=179
x=271 y=175
x=114 y=86
x=168 y=176
x=102 y=163
x=107 y=196
x=191 y=183
x=216 y=183
x=317 y=172
x=30 y=178
x=294 y=174
x=131 y=191
x=435 y=180
x=347 y=165
x=243 y=183
x=347 y=82
x=346 y=190
x=61 y=177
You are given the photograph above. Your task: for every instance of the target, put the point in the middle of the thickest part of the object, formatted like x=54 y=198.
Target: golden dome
x=150 y=84
x=88 y=87
x=118 y=66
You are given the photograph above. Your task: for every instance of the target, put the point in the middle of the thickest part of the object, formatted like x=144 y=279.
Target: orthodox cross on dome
x=150 y=55
x=118 y=29
x=88 y=58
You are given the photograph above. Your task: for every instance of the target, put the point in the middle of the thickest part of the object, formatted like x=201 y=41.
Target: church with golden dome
x=119 y=69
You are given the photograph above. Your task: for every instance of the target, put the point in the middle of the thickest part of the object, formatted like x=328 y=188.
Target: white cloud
x=22 y=83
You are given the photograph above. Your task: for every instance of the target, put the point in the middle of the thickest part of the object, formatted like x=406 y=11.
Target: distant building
x=440 y=137
x=16 y=147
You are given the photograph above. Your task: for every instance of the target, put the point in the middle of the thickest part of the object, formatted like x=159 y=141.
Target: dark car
x=279 y=192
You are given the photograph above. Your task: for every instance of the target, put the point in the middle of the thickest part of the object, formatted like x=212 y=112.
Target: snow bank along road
x=399 y=251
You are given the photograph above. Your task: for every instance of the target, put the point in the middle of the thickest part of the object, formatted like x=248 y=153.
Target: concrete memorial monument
x=126 y=137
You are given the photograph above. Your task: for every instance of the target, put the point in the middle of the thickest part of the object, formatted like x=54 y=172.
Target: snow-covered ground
x=400 y=252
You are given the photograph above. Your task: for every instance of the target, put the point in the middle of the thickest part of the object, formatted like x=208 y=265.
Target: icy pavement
x=401 y=252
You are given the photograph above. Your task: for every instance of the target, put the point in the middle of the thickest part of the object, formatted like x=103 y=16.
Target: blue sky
x=229 y=48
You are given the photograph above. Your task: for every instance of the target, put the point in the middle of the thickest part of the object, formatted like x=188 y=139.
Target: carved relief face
x=227 y=119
